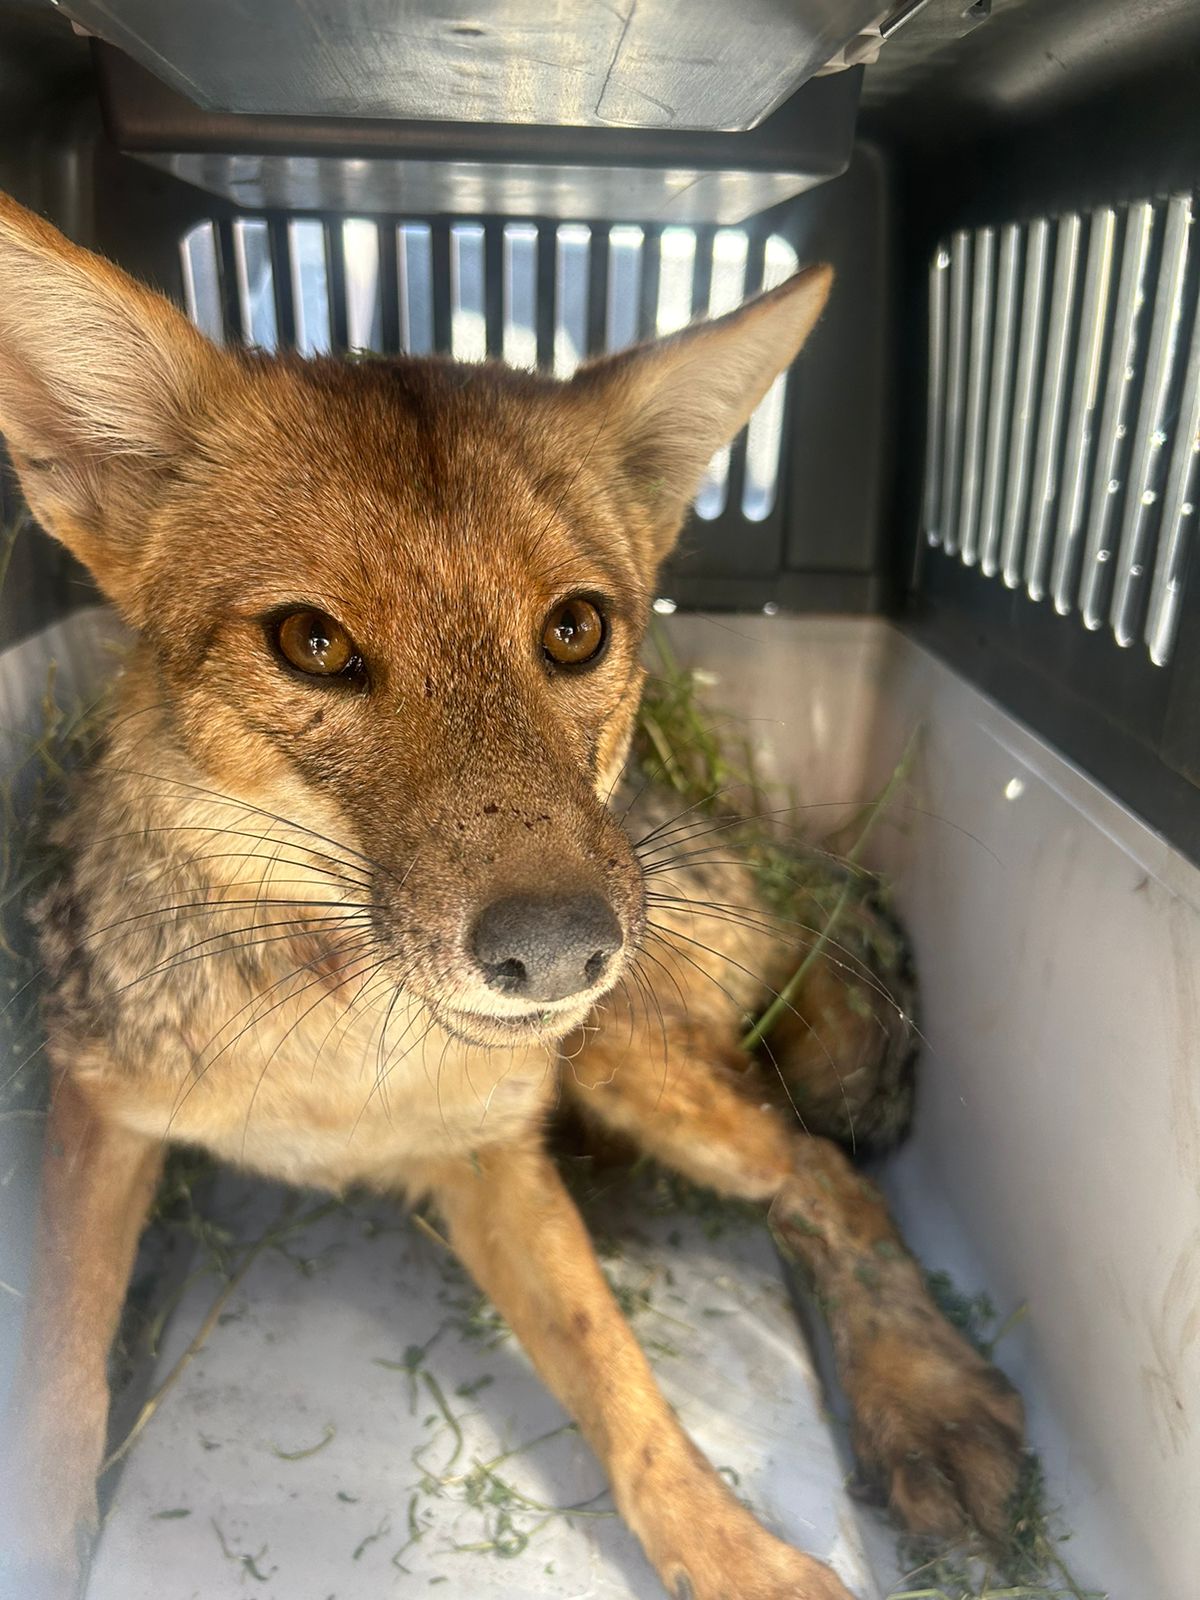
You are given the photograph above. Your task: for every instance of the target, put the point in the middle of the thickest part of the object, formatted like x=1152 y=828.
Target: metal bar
x=898 y=18
x=756 y=261
x=982 y=288
x=493 y=288
x=726 y=273
x=335 y=257
x=281 y=282
x=648 y=287
x=1029 y=363
x=999 y=398
x=1148 y=458
x=241 y=270
x=200 y=263
x=939 y=273
x=1118 y=389
x=389 y=290
x=1178 y=527
x=242 y=276
x=1044 y=491
x=597 y=294
x=1080 y=432
x=956 y=386
x=439 y=280
x=735 y=495
x=547 y=249
x=702 y=271
x=764 y=434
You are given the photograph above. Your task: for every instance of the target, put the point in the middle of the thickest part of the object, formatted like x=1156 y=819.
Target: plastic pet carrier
x=941 y=593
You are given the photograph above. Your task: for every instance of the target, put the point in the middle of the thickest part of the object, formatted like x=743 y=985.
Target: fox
x=360 y=809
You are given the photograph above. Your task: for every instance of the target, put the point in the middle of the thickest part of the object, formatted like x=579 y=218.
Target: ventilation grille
x=533 y=294
x=1063 y=445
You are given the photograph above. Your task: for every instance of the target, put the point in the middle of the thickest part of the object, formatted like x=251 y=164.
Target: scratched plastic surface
x=307 y=1452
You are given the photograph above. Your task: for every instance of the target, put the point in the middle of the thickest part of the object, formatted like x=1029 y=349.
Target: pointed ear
x=100 y=381
x=666 y=408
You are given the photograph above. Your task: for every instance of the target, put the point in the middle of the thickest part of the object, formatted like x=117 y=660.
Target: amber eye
x=574 y=633
x=314 y=643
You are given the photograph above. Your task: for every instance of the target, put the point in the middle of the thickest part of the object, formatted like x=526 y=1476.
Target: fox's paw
x=938 y=1430
x=767 y=1569
x=704 y=1543
x=707 y=1546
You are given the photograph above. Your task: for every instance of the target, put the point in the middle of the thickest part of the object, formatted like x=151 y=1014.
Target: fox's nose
x=545 y=947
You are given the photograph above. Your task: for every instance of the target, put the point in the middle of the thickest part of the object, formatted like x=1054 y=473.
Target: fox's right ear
x=101 y=383
x=662 y=409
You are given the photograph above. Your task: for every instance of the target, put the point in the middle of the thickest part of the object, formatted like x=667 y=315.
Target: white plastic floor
x=352 y=1428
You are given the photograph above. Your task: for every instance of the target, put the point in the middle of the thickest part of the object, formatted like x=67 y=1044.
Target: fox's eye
x=574 y=634
x=313 y=642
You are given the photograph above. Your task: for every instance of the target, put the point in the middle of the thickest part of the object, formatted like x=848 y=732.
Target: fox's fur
x=260 y=942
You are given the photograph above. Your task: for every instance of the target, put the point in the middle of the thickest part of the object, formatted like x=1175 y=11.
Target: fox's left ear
x=100 y=383
x=664 y=409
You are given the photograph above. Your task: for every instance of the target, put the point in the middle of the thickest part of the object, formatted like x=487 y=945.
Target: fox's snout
x=544 y=947
x=508 y=918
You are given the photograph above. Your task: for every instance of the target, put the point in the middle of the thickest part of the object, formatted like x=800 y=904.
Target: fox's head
x=401 y=599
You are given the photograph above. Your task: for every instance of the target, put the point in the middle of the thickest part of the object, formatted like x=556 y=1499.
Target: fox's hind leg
x=843 y=1058
x=936 y=1428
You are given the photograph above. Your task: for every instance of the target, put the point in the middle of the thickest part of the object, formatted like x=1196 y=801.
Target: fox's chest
x=325 y=1099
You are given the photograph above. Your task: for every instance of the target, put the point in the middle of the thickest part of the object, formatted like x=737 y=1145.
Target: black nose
x=545 y=947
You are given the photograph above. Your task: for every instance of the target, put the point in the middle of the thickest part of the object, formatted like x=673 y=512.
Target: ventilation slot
x=1063 y=444
x=414 y=278
x=520 y=294
x=537 y=295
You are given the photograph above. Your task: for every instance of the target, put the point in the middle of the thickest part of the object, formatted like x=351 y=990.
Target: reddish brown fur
x=438 y=512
